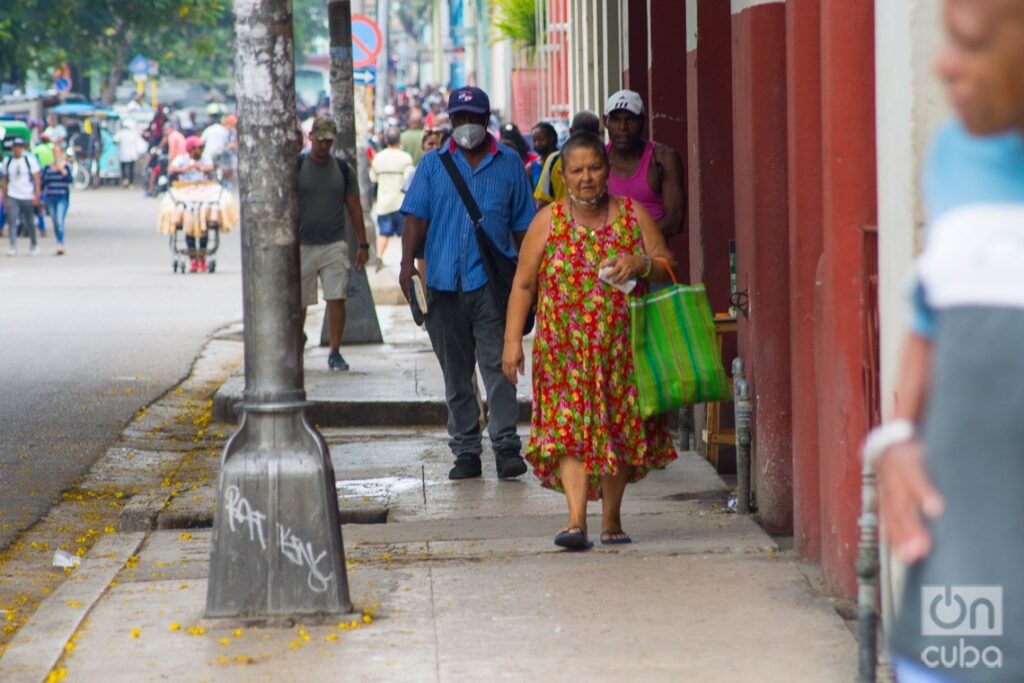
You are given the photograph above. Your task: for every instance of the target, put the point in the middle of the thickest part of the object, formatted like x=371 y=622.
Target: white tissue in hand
x=626 y=287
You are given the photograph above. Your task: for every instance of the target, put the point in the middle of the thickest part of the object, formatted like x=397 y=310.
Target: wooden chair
x=713 y=435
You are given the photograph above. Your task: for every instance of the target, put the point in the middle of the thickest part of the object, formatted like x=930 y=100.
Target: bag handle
x=664 y=262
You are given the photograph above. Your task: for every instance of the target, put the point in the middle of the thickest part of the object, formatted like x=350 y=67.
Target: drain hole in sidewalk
x=191 y=520
x=364 y=515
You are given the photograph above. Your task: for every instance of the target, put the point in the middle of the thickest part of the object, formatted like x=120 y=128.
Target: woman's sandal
x=573 y=538
x=615 y=538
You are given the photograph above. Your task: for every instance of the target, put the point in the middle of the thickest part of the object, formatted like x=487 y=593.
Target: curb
x=355 y=413
x=41 y=642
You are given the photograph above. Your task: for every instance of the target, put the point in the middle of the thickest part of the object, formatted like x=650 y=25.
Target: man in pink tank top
x=646 y=171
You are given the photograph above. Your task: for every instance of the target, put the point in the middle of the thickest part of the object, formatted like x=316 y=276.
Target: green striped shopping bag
x=675 y=355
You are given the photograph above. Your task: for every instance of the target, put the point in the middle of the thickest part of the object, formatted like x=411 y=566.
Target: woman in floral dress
x=587 y=438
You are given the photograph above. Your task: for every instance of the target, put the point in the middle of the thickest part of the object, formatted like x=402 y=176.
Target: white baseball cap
x=625 y=99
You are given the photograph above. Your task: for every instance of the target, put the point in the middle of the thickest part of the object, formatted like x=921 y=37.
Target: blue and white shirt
x=969 y=303
x=974 y=245
x=502 y=191
x=56 y=185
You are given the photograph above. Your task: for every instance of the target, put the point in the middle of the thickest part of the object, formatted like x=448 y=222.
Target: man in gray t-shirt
x=327 y=190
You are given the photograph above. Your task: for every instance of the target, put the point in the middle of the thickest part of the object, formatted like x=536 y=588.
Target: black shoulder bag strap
x=467 y=198
x=499 y=268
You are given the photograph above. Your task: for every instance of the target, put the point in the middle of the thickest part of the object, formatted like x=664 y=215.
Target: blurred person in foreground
x=551 y=185
x=587 y=438
x=950 y=502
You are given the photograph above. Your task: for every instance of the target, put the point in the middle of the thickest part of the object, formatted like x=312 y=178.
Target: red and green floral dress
x=584 y=397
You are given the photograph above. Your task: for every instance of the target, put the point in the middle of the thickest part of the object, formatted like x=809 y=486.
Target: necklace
x=574 y=222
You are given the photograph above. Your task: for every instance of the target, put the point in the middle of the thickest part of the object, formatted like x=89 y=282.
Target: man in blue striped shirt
x=465 y=324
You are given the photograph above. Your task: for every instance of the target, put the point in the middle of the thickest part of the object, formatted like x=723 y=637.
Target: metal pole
x=383 y=87
x=867 y=579
x=743 y=408
x=361 y=325
x=277 y=548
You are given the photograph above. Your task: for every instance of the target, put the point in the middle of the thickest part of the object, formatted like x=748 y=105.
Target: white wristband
x=886 y=435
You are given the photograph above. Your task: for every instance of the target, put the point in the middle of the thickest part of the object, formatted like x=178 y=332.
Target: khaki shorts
x=329 y=263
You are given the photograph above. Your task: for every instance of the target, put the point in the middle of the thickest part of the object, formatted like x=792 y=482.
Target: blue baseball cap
x=473 y=100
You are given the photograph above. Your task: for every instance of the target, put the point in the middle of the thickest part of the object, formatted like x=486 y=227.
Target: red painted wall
x=762 y=245
x=709 y=153
x=666 y=100
x=636 y=76
x=803 y=78
x=850 y=204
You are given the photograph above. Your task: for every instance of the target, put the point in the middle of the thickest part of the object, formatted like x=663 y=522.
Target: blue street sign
x=139 y=66
x=366 y=41
x=366 y=76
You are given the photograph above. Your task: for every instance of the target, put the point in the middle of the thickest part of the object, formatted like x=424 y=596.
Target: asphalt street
x=88 y=338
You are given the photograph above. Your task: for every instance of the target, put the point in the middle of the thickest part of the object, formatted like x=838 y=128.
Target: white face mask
x=469 y=135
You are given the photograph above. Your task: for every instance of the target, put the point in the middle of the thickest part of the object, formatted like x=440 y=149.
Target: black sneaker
x=509 y=464
x=336 y=362
x=466 y=467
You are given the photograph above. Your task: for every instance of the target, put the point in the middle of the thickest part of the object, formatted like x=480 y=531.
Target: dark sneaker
x=509 y=464
x=466 y=467
x=336 y=362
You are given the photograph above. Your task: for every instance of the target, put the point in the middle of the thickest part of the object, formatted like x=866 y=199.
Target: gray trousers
x=23 y=208
x=467 y=328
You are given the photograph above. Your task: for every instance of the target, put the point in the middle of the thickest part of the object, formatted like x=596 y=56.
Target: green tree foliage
x=515 y=20
x=188 y=37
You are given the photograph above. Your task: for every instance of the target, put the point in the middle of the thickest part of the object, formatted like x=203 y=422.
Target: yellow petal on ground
x=330 y=637
x=295 y=644
x=225 y=641
x=237 y=633
x=75 y=603
x=184 y=536
x=175 y=626
x=136 y=633
x=367 y=619
x=223 y=660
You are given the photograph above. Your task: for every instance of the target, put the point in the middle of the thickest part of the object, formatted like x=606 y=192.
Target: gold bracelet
x=648 y=266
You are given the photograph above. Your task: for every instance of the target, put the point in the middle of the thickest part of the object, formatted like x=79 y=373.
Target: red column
x=636 y=76
x=762 y=245
x=803 y=78
x=709 y=134
x=666 y=100
x=850 y=206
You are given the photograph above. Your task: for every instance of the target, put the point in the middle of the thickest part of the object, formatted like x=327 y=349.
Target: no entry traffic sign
x=366 y=41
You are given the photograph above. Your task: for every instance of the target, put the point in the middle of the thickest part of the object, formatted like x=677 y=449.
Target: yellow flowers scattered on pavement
x=175 y=626
x=225 y=642
x=57 y=675
x=75 y=603
x=183 y=536
x=196 y=630
x=135 y=633
x=237 y=633
x=330 y=637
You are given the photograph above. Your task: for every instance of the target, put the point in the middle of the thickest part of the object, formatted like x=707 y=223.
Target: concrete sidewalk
x=462 y=582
